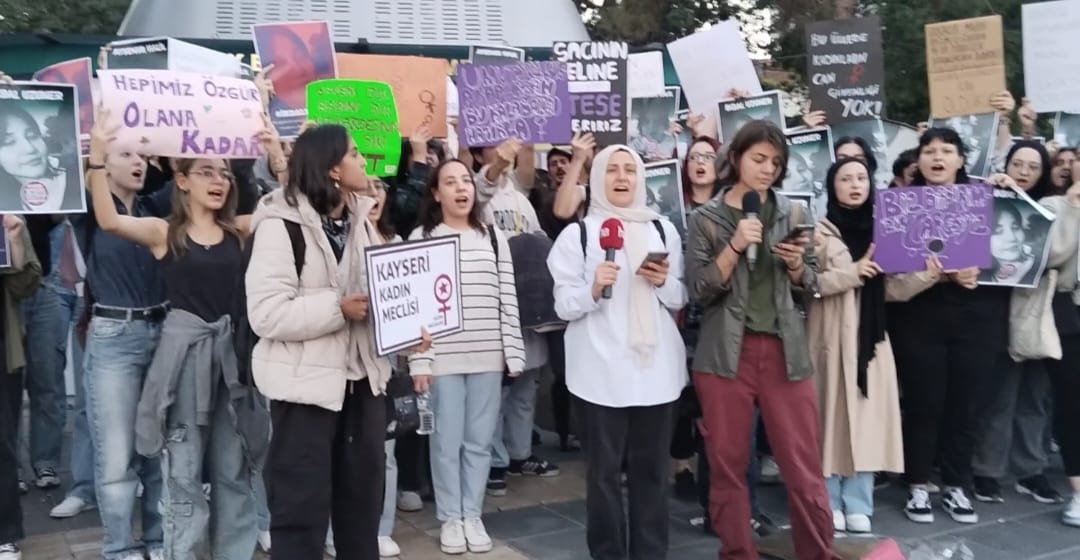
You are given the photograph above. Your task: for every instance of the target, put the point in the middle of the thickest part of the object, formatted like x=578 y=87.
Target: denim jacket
x=710 y=229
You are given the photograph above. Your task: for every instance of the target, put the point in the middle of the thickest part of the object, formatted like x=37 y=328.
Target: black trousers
x=939 y=374
x=327 y=465
x=11 y=519
x=684 y=438
x=414 y=464
x=641 y=434
x=560 y=395
x=1065 y=380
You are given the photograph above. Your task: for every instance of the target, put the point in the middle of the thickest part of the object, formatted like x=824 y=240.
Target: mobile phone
x=797 y=232
x=655 y=257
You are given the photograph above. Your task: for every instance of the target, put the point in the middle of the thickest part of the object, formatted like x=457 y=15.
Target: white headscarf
x=636 y=220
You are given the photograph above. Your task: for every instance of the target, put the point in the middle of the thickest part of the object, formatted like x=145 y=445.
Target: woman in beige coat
x=853 y=361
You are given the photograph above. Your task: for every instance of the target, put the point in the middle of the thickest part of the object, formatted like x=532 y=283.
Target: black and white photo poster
x=597 y=72
x=40 y=170
x=734 y=113
x=980 y=139
x=810 y=154
x=873 y=132
x=1067 y=129
x=1018 y=241
x=651 y=125
x=846 y=68
x=663 y=184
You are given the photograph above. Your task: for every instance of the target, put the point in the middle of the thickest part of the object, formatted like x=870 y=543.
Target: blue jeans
x=50 y=314
x=229 y=519
x=466 y=413
x=389 y=508
x=852 y=494
x=118 y=354
x=513 y=431
x=82 y=448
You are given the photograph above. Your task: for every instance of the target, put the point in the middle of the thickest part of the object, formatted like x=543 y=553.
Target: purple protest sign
x=527 y=100
x=950 y=221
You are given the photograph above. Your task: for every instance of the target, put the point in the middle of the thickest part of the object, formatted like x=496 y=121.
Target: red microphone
x=611 y=240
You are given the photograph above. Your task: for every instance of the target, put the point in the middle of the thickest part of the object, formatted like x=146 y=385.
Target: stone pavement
x=544 y=519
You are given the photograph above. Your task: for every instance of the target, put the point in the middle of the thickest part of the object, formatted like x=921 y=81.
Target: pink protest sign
x=185 y=115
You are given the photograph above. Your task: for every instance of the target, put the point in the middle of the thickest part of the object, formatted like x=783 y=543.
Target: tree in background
x=91 y=17
x=640 y=22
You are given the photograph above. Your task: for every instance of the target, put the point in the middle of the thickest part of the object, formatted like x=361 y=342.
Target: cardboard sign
x=734 y=113
x=180 y=114
x=527 y=100
x=368 y=111
x=965 y=65
x=40 y=169
x=646 y=74
x=496 y=55
x=1051 y=65
x=301 y=53
x=166 y=53
x=78 y=73
x=664 y=192
x=846 y=68
x=597 y=72
x=414 y=285
x=419 y=86
x=711 y=63
x=1019 y=248
x=950 y=221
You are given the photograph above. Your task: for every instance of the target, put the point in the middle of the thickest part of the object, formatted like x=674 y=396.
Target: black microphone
x=751 y=207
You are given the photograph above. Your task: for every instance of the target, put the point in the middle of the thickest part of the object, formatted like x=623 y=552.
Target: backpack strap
x=660 y=229
x=494 y=242
x=299 y=246
x=585 y=240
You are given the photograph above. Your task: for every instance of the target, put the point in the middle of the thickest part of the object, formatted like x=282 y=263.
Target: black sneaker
x=957 y=505
x=536 y=440
x=988 y=490
x=1040 y=490
x=918 y=508
x=762 y=525
x=47 y=479
x=496 y=485
x=685 y=486
x=569 y=444
x=533 y=466
x=882 y=480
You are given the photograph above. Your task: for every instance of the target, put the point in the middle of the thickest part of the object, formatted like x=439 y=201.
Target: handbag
x=402 y=413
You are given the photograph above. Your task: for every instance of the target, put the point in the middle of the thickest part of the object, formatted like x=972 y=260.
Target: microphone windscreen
x=611 y=234
x=751 y=203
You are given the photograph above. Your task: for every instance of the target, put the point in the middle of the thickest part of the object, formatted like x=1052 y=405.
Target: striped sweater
x=491 y=339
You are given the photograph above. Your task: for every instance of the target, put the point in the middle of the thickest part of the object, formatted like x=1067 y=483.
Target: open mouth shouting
x=216 y=194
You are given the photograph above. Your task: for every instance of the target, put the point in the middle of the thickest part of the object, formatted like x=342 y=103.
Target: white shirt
x=600 y=366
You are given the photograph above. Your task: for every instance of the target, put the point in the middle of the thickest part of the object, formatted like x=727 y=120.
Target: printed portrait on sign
x=663 y=192
x=979 y=133
x=39 y=150
x=1018 y=247
x=651 y=120
x=77 y=73
x=1067 y=129
x=301 y=53
x=873 y=132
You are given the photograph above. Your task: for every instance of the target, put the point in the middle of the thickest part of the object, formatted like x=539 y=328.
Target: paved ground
x=543 y=519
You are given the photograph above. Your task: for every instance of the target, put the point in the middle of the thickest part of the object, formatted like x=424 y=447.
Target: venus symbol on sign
x=444 y=288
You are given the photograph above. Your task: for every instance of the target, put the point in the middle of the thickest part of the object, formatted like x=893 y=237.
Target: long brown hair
x=179 y=219
x=430 y=215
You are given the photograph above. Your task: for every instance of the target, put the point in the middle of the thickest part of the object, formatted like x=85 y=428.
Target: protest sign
x=645 y=74
x=39 y=176
x=78 y=73
x=495 y=55
x=952 y=222
x=1019 y=245
x=5 y=248
x=846 y=68
x=734 y=113
x=1051 y=67
x=367 y=110
x=965 y=65
x=598 y=84
x=1067 y=129
x=419 y=86
x=663 y=192
x=180 y=114
x=979 y=133
x=711 y=63
x=166 y=53
x=810 y=153
x=411 y=286
x=528 y=100
x=300 y=53
x=651 y=120
x=873 y=132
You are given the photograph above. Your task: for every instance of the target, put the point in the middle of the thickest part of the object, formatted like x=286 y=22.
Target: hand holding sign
x=103 y=134
x=508 y=150
x=1003 y=102
x=418 y=141
x=966 y=277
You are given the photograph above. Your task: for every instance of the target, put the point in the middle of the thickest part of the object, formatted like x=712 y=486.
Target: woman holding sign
x=194 y=411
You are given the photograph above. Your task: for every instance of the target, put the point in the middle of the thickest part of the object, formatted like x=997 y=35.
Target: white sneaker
x=858 y=523
x=139 y=490
x=839 y=524
x=264 y=541
x=157 y=554
x=329 y=547
x=10 y=551
x=1071 y=516
x=409 y=501
x=70 y=507
x=770 y=471
x=452 y=537
x=476 y=535
x=388 y=548
x=918 y=508
x=958 y=506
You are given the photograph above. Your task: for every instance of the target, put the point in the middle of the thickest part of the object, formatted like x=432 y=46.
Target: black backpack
x=245 y=339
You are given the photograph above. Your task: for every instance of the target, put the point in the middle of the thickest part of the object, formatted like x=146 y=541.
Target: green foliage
x=91 y=17
x=640 y=22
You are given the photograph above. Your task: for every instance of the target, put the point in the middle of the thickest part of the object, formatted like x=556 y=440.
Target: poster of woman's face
x=301 y=53
x=979 y=133
x=873 y=132
x=664 y=192
x=1018 y=247
x=79 y=74
x=1067 y=129
x=650 y=125
x=810 y=155
x=39 y=149
x=735 y=113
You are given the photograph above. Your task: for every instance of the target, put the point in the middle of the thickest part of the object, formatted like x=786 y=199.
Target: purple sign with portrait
x=526 y=100
x=950 y=221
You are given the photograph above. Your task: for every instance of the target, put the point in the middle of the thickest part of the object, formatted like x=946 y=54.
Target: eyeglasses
x=701 y=157
x=211 y=174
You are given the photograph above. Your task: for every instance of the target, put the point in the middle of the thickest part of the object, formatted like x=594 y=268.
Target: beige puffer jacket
x=307 y=349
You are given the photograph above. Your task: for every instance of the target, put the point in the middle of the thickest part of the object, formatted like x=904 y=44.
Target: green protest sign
x=368 y=111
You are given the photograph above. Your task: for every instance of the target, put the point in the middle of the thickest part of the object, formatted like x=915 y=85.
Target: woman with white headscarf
x=625 y=359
